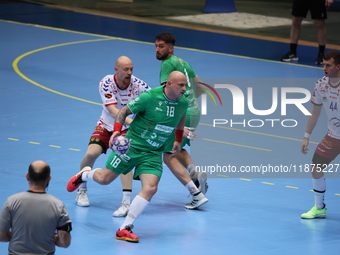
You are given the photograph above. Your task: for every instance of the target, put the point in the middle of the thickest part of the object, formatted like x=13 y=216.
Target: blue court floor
x=50 y=105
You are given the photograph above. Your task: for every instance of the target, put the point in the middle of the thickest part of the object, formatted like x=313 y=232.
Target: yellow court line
x=269 y=183
x=33 y=142
x=291 y=187
x=253 y=132
x=243 y=179
x=55 y=146
x=74 y=149
x=16 y=69
x=245 y=146
x=222 y=175
x=13 y=139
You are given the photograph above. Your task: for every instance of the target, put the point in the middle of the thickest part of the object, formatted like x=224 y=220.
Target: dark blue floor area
x=208 y=41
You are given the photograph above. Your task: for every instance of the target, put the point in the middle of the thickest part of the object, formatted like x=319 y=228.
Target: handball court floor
x=51 y=63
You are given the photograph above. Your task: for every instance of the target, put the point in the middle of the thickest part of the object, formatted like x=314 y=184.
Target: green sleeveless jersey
x=174 y=63
x=156 y=119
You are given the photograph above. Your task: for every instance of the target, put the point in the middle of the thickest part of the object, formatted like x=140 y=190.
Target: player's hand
x=114 y=134
x=304 y=145
x=188 y=132
x=176 y=148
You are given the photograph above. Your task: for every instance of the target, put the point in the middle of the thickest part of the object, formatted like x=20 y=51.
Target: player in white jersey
x=115 y=91
x=326 y=94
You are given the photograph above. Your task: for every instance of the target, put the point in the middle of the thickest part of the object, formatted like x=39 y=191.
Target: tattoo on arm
x=122 y=114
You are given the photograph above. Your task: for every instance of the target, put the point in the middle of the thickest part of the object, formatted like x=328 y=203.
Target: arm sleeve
x=106 y=92
x=316 y=97
x=140 y=103
x=64 y=217
x=5 y=218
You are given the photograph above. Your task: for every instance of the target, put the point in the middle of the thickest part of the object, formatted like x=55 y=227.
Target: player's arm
x=120 y=120
x=113 y=110
x=63 y=237
x=179 y=136
x=5 y=236
x=199 y=86
x=312 y=120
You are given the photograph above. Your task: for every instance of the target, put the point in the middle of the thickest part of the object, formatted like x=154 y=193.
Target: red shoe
x=126 y=234
x=76 y=180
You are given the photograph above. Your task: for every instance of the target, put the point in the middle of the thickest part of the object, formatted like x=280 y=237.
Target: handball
x=121 y=145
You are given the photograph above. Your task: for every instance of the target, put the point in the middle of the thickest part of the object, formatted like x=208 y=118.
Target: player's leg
x=199 y=178
x=325 y=153
x=319 y=14
x=198 y=198
x=99 y=142
x=299 y=12
x=123 y=209
x=149 y=171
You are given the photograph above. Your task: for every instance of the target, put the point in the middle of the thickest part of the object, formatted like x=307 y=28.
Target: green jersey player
x=165 y=52
x=160 y=115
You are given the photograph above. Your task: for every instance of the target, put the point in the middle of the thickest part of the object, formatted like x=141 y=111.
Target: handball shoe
x=314 y=213
x=126 y=234
x=197 y=200
x=122 y=211
x=82 y=199
x=319 y=59
x=289 y=57
x=76 y=180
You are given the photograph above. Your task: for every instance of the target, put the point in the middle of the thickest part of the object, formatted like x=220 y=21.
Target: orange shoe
x=76 y=180
x=126 y=234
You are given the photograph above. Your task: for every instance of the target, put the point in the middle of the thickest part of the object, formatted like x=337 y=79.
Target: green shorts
x=143 y=162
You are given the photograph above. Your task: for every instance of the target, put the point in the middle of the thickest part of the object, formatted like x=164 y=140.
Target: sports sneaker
x=82 y=199
x=314 y=213
x=197 y=200
x=122 y=211
x=76 y=180
x=319 y=59
x=126 y=234
x=289 y=57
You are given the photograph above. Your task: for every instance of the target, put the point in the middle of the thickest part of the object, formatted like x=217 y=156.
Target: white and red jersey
x=329 y=96
x=111 y=94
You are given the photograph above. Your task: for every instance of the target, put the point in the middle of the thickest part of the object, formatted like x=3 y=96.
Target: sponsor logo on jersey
x=162 y=139
x=153 y=135
x=324 y=99
x=153 y=143
x=158 y=109
x=108 y=95
x=163 y=128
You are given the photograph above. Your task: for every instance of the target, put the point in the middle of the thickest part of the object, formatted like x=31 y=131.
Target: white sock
x=126 y=196
x=192 y=187
x=191 y=168
x=88 y=175
x=319 y=186
x=137 y=206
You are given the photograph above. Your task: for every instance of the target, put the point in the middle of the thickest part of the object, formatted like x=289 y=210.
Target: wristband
x=307 y=135
x=179 y=135
x=117 y=127
x=67 y=227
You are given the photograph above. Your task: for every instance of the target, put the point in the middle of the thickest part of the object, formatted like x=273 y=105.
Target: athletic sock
x=293 y=47
x=322 y=49
x=192 y=187
x=126 y=196
x=319 y=186
x=137 y=206
x=88 y=175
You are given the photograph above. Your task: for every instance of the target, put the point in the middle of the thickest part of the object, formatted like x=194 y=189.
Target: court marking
x=17 y=70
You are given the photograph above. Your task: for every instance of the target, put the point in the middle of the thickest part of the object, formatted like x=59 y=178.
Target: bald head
x=123 y=60
x=38 y=172
x=176 y=76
